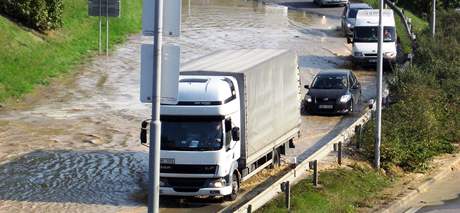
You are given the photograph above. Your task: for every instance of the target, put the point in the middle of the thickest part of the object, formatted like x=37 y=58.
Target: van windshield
x=186 y=133
x=370 y=34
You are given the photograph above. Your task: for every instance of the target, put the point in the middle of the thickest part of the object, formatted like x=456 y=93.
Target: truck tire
x=276 y=159
x=235 y=188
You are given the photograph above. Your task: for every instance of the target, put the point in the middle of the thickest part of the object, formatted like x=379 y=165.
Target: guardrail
x=407 y=25
x=300 y=171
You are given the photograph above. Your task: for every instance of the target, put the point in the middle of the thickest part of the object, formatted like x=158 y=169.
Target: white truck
x=238 y=111
x=365 y=37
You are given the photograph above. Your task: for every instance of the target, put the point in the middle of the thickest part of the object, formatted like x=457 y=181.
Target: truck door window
x=228 y=133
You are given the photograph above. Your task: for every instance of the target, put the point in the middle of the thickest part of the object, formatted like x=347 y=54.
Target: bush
x=412 y=129
x=41 y=15
x=425 y=119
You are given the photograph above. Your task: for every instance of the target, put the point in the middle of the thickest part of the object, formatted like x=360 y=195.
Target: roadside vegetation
x=422 y=122
x=341 y=190
x=424 y=119
x=29 y=58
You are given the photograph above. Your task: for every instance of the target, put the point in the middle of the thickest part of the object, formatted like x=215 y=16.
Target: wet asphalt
x=73 y=146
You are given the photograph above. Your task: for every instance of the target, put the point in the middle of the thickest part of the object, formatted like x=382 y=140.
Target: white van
x=365 y=36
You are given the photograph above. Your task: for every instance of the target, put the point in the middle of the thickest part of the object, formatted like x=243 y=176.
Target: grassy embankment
x=28 y=58
x=419 y=25
x=342 y=190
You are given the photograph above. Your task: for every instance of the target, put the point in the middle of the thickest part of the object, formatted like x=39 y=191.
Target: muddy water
x=73 y=147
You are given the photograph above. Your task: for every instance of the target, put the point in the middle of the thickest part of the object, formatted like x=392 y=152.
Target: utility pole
x=433 y=19
x=155 y=127
x=378 y=120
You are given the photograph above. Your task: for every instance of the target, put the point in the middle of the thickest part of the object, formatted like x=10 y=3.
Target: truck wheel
x=276 y=159
x=235 y=189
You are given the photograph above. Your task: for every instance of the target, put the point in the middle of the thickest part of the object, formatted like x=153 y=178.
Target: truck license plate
x=325 y=106
x=167 y=161
x=372 y=60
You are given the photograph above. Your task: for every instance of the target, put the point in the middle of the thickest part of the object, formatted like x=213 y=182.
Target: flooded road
x=73 y=146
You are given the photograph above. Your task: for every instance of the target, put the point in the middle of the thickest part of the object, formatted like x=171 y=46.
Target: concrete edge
x=440 y=175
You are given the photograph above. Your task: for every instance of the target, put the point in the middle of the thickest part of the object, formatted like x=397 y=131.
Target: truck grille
x=186 y=183
x=188 y=169
x=371 y=54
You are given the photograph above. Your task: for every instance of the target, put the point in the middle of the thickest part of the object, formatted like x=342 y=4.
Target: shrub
x=41 y=15
x=411 y=129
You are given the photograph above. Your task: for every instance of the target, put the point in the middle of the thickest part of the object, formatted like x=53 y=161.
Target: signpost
x=107 y=8
x=159 y=15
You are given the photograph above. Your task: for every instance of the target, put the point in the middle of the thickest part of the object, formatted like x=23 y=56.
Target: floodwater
x=73 y=146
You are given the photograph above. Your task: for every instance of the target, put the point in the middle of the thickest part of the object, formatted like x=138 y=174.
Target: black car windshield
x=191 y=133
x=330 y=82
x=370 y=34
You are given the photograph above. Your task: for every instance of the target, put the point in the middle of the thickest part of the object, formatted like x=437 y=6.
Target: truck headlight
x=345 y=98
x=349 y=25
x=217 y=183
x=389 y=54
x=308 y=98
x=358 y=54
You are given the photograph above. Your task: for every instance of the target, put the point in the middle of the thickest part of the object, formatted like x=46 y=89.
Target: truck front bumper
x=201 y=192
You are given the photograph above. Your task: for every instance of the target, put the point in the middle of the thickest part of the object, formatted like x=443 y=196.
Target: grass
x=28 y=59
x=418 y=24
x=342 y=190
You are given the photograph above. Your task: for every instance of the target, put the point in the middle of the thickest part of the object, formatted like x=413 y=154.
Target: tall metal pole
x=378 y=120
x=107 y=28
x=100 y=27
x=433 y=19
x=155 y=127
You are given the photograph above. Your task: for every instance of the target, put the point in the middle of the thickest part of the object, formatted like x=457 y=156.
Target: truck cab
x=200 y=138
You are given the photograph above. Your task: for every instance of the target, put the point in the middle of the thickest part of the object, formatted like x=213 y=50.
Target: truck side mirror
x=306 y=86
x=349 y=40
x=228 y=124
x=236 y=133
x=144 y=127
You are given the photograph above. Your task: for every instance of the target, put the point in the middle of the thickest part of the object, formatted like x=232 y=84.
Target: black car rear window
x=330 y=82
x=354 y=11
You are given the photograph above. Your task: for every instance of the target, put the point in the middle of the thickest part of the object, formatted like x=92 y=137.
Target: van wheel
x=235 y=189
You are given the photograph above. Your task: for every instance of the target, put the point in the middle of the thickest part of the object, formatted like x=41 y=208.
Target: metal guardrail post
x=249 y=209
x=314 y=166
x=339 y=153
x=286 y=188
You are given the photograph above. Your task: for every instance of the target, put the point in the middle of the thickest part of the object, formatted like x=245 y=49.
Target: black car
x=333 y=91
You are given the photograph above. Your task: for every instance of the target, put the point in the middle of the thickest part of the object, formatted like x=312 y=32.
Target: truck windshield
x=191 y=133
x=370 y=34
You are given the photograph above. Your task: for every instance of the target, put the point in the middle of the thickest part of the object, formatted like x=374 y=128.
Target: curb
x=440 y=175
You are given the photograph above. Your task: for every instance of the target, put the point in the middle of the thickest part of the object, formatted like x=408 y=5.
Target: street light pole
x=378 y=120
x=433 y=19
x=155 y=127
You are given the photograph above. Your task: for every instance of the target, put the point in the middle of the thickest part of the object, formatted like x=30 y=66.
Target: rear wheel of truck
x=235 y=189
x=276 y=159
